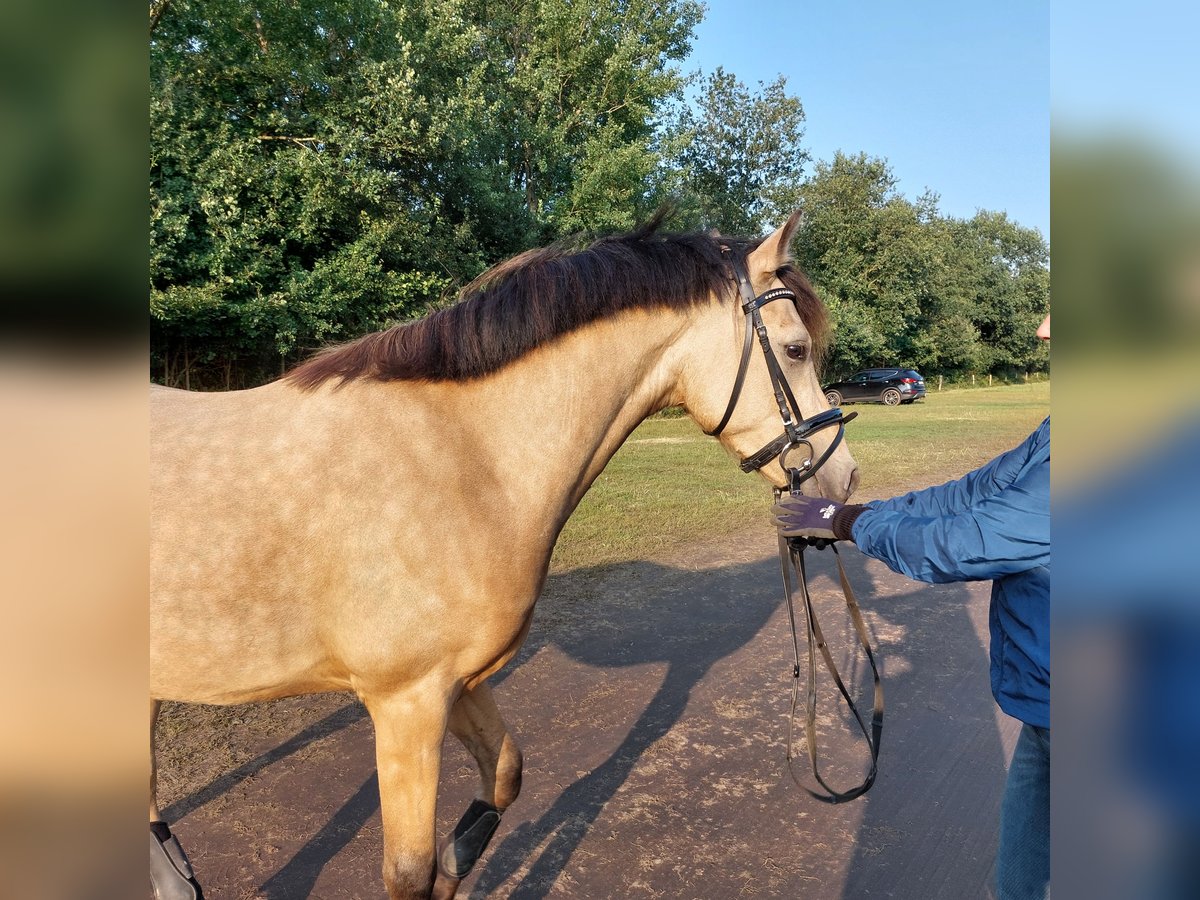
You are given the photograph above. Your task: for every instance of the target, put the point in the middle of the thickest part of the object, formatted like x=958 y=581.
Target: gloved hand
x=815 y=517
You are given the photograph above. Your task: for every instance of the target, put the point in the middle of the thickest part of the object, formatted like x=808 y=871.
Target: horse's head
x=796 y=331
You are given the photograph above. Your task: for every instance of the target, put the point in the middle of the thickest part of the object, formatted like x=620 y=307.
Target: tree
x=860 y=244
x=740 y=158
x=324 y=168
x=291 y=196
x=321 y=168
x=1009 y=290
x=576 y=88
x=908 y=286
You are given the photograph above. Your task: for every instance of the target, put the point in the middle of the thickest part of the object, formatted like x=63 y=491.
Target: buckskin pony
x=307 y=535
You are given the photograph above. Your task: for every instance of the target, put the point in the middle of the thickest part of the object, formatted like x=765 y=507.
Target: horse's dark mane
x=538 y=295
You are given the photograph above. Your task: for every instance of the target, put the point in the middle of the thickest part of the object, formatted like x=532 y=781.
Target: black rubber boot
x=470 y=837
x=171 y=874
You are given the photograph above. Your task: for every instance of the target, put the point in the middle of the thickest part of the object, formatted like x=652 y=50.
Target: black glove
x=815 y=517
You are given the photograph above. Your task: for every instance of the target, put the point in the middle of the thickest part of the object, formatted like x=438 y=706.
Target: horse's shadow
x=635 y=614
x=944 y=751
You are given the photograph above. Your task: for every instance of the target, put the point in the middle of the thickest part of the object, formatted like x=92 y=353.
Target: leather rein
x=796 y=433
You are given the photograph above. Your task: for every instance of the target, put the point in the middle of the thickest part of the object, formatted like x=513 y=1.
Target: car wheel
x=833 y=398
x=891 y=397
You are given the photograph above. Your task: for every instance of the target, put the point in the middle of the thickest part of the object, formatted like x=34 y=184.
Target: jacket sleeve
x=1005 y=532
x=958 y=496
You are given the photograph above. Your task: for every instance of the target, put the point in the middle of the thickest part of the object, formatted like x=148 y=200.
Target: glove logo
x=828 y=511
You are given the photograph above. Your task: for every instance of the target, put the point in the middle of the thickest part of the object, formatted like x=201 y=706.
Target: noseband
x=796 y=433
x=796 y=429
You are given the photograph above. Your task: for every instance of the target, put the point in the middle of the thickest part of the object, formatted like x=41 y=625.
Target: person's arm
x=1005 y=533
x=956 y=496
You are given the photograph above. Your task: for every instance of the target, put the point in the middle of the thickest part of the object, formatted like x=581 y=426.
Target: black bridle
x=796 y=433
x=796 y=429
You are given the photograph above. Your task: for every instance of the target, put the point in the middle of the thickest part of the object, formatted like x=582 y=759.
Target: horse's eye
x=797 y=351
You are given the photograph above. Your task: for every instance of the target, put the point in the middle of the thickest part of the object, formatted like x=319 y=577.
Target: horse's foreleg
x=409 y=727
x=476 y=722
x=171 y=876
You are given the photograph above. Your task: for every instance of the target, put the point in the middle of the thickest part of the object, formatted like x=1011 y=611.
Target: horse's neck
x=560 y=413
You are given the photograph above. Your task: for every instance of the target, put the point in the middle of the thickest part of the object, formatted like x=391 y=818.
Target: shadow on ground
x=636 y=614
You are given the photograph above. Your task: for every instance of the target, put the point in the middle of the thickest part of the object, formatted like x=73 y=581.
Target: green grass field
x=670 y=484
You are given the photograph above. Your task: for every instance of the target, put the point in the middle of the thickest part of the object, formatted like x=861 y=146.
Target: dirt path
x=651 y=702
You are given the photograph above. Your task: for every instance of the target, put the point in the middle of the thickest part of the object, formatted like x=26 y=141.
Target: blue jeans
x=1023 y=862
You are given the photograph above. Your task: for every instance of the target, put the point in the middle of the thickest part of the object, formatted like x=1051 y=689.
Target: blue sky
x=955 y=95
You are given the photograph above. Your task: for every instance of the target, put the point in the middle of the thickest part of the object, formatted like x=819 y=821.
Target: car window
x=861 y=376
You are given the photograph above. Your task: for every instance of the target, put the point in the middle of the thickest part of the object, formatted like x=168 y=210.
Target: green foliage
x=324 y=168
x=577 y=86
x=740 y=156
x=907 y=286
x=1009 y=293
x=290 y=195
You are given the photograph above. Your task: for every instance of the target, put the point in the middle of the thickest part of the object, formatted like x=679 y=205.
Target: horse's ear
x=774 y=252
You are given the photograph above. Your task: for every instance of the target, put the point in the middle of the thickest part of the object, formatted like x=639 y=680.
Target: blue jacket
x=993 y=523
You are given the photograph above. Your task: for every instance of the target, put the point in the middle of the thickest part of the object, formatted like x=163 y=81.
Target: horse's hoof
x=171 y=875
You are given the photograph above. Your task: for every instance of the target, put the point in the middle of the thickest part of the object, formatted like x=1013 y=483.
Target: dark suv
x=890 y=386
